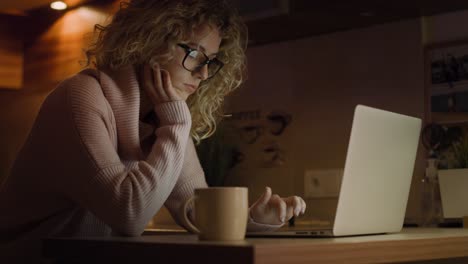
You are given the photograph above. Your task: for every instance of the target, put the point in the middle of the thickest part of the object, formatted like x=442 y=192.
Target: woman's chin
x=183 y=95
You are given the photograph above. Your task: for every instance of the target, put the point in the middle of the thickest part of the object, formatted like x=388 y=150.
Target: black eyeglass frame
x=207 y=61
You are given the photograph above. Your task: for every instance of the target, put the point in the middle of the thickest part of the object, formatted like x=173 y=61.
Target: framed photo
x=446 y=68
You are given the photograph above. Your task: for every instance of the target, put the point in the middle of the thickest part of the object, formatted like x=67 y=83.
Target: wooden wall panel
x=53 y=45
x=11 y=52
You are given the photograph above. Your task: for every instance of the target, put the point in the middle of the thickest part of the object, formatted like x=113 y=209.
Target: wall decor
x=446 y=68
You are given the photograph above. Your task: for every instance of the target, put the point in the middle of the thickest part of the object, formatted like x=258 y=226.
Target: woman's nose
x=202 y=72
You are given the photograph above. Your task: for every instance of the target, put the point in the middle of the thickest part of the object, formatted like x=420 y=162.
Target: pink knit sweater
x=82 y=171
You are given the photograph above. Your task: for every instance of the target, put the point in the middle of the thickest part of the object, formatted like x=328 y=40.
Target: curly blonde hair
x=142 y=30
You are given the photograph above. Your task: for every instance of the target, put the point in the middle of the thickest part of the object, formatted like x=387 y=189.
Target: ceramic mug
x=221 y=213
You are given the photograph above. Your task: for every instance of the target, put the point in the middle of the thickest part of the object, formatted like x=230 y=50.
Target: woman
x=113 y=144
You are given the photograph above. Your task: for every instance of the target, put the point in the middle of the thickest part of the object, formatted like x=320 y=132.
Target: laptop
x=453 y=185
x=376 y=179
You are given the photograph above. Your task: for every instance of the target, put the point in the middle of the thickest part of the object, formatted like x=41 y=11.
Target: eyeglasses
x=194 y=60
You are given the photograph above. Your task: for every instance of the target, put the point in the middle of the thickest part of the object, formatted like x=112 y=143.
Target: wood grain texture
x=412 y=245
x=52 y=51
x=11 y=52
x=395 y=248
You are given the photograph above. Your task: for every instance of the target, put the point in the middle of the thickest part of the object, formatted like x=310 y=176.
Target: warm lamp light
x=58 y=5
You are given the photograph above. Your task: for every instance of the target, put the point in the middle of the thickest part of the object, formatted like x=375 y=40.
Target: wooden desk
x=411 y=245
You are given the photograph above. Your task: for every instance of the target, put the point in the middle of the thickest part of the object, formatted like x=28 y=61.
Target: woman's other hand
x=274 y=210
x=158 y=85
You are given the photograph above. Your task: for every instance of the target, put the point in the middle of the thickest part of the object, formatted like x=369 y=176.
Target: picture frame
x=446 y=78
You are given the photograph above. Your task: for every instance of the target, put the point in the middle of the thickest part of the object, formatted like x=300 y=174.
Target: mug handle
x=190 y=226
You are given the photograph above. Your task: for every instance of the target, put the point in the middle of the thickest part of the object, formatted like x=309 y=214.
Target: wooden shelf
x=450 y=118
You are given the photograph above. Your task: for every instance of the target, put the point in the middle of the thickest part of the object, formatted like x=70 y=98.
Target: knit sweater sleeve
x=123 y=194
x=191 y=178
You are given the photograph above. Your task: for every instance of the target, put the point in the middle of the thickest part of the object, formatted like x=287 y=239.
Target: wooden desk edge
x=364 y=252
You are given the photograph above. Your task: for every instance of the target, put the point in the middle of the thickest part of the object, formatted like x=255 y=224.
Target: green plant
x=460 y=152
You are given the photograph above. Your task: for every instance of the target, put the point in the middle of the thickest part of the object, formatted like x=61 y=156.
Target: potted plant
x=457 y=159
x=448 y=148
x=459 y=151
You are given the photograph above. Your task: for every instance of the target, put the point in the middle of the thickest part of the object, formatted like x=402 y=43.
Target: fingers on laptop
x=280 y=205
x=286 y=207
x=266 y=196
x=297 y=204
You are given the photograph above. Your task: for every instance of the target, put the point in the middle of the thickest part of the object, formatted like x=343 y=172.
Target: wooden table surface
x=412 y=244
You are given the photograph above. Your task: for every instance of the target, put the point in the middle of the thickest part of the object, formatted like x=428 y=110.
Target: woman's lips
x=191 y=88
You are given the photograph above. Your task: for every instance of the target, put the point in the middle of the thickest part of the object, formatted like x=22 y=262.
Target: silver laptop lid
x=378 y=171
